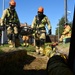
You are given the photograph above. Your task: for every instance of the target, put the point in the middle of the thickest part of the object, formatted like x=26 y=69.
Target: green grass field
x=5 y=48
x=64 y=45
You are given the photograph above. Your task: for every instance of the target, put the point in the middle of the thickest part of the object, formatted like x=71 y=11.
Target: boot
x=11 y=44
x=9 y=41
x=27 y=44
x=42 y=49
x=37 y=50
x=24 y=44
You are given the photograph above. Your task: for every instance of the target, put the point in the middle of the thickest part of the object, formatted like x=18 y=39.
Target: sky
x=53 y=9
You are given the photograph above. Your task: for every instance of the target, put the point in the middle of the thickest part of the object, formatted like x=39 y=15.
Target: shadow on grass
x=34 y=72
x=24 y=72
x=12 y=63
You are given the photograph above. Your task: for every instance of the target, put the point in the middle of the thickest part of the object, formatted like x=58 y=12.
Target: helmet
x=40 y=9
x=66 y=24
x=12 y=2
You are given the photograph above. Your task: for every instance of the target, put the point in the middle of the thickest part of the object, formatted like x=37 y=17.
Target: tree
x=60 y=25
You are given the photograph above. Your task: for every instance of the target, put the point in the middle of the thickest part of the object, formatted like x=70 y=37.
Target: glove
x=50 y=32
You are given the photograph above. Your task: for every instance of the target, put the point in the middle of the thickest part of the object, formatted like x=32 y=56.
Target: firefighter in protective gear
x=25 y=36
x=66 y=33
x=38 y=24
x=11 y=20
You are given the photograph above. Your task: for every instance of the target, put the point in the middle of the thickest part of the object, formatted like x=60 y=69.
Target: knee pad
x=9 y=36
x=42 y=41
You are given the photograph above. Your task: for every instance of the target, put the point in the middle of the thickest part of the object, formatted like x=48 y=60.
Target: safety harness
x=11 y=17
x=39 y=21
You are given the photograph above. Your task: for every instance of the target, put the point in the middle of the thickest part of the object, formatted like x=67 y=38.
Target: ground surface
x=19 y=61
x=63 y=48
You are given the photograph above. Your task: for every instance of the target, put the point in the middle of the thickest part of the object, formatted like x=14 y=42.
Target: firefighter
x=11 y=21
x=66 y=33
x=25 y=36
x=38 y=24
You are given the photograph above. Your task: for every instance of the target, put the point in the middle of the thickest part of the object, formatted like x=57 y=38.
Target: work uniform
x=38 y=25
x=66 y=33
x=11 y=20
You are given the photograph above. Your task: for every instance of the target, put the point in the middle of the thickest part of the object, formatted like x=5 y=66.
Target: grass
x=30 y=48
x=6 y=48
x=64 y=45
x=1 y=51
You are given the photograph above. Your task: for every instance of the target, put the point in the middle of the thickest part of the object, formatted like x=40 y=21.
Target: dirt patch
x=20 y=63
x=40 y=62
x=63 y=48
